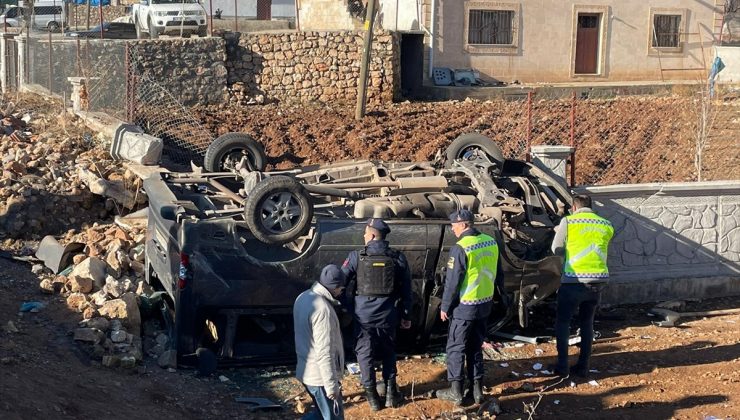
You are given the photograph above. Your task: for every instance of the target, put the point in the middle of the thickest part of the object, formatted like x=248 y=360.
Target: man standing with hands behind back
x=473 y=269
x=382 y=277
x=584 y=239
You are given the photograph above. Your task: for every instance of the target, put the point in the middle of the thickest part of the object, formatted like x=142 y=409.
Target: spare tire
x=474 y=141
x=226 y=151
x=278 y=210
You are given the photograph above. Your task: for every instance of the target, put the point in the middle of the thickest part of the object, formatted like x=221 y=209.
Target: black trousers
x=585 y=299
x=375 y=343
x=464 y=341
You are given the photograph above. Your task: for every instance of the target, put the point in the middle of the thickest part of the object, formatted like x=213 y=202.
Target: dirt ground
x=622 y=140
x=644 y=371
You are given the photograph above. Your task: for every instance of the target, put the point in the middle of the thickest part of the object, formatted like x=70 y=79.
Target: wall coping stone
x=666 y=188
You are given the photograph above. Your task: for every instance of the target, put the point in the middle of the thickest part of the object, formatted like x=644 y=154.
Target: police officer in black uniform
x=473 y=272
x=382 y=277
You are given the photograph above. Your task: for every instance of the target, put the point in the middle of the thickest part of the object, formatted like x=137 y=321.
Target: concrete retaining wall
x=672 y=241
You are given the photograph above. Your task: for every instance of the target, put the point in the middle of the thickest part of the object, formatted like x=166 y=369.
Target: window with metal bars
x=491 y=27
x=666 y=31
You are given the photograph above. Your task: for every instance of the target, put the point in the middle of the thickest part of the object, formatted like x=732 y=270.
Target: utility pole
x=365 y=65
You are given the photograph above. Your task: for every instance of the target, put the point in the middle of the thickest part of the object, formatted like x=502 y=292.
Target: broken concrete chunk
x=111 y=360
x=91 y=268
x=75 y=301
x=118 y=336
x=80 y=284
x=88 y=335
x=128 y=362
x=130 y=143
x=99 y=323
x=168 y=359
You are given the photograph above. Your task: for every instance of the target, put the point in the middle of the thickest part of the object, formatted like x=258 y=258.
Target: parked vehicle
x=111 y=30
x=158 y=17
x=232 y=248
x=45 y=15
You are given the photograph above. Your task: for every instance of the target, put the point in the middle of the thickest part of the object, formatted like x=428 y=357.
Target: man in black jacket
x=382 y=276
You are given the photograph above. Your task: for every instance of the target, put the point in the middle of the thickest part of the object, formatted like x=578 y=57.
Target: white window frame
x=679 y=50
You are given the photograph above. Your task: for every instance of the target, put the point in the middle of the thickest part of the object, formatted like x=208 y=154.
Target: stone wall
x=672 y=241
x=77 y=14
x=310 y=66
x=192 y=70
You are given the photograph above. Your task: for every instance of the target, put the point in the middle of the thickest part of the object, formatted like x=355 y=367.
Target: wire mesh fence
x=153 y=107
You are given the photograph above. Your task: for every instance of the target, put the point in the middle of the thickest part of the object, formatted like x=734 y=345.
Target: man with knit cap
x=318 y=344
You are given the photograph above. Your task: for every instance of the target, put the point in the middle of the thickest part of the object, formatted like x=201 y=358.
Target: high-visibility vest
x=587 y=245
x=481 y=253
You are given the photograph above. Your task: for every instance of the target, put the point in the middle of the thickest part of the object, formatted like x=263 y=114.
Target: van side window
x=48 y=10
x=12 y=13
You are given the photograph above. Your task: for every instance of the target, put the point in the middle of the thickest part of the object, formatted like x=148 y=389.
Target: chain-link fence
x=680 y=134
x=152 y=106
x=99 y=63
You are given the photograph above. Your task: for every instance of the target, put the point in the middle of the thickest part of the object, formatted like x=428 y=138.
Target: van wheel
x=469 y=142
x=226 y=151
x=53 y=27
x=278 y=210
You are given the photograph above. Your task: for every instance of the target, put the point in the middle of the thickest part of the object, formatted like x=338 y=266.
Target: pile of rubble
x=105 y=284
x=58 y=172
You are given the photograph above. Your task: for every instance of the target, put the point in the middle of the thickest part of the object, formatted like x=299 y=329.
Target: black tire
x=225 y=152
x=203 y=32
x=53 y=26
x=278 y=210
x=470 y=141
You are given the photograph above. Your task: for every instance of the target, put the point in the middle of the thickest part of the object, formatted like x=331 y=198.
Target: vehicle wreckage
x=233 y=245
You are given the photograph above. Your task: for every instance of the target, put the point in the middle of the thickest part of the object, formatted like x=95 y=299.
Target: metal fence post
x=529 y=126
x=51 y=90
x=573 y=139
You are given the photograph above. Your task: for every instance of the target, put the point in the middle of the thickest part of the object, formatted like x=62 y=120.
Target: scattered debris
x=593 y=383
x=258 y=403
x=537 y=366
x=504 y=365
x=10 y=327
x=223 y=378
x=556 y=402
x=538 y=352
x=671 y=317
x=31 y=307
x=353 y=368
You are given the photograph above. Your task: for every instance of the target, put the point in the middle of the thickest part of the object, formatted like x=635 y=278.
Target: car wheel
x=203 y=32
x=53 y=27
x=278 y=210
x=226 y=151
x=474 y=141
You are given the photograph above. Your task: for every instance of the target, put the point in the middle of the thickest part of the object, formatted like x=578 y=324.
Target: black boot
x=478 y=391
x=393 y=396
x=372 y=398
x=453 y=393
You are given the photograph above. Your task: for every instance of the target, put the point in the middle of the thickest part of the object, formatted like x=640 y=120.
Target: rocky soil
x=622 y=140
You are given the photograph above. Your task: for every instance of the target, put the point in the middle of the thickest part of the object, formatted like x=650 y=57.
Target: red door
x=587 y=44
x=264 y=9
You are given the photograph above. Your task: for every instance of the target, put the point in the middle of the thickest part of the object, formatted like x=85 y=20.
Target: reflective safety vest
x=586 y=246
x=481 y=253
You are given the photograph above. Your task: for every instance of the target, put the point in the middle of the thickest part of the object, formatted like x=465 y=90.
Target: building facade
x=548 y=41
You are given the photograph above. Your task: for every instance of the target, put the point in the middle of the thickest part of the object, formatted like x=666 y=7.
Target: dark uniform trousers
x=583 y=298
x=383 y=340
x=464 y=341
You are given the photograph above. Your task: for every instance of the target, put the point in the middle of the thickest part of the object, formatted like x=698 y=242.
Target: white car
x=162 y=17
x=45 y=15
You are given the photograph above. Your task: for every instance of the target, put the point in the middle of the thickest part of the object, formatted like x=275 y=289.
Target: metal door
x=587 y=44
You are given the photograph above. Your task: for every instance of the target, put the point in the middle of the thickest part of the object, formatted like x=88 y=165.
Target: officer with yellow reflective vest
x=583 y=238
x=473 y=270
